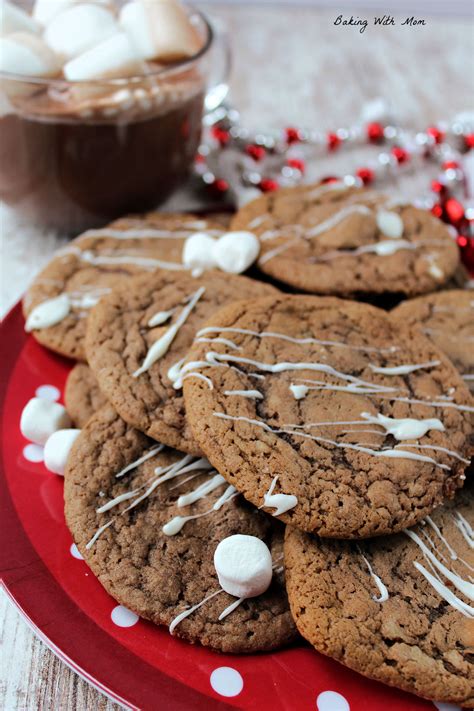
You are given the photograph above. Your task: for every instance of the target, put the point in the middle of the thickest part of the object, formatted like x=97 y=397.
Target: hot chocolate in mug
x=81 y=145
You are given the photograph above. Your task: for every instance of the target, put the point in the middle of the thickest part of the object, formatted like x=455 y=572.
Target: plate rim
x=31 y=588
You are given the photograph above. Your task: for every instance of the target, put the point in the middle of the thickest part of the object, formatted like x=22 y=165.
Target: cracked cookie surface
x=159 y=576
x=119 y=338
x=82 y=395
x=409 y=637
x=303 y=388
x=447 y=318
x=325 y=239
x=98 y=260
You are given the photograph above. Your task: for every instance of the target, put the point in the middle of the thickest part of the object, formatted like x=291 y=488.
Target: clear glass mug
x=74 y=155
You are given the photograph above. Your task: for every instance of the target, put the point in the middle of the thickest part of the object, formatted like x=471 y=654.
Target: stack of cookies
x=256 y=463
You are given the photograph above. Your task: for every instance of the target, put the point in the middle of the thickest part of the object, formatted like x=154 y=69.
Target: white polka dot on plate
x=33 y=453
x=227 y=681
x=446 y=707
x=332 y=701
x=74 y=551
x=123 y=617
x=48 y=392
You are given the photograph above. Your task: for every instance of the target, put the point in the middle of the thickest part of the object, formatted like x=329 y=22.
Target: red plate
x=139 y=665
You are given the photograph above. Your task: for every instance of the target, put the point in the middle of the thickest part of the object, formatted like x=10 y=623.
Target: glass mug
x=74 y=155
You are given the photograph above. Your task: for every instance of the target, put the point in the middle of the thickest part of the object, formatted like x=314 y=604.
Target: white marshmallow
x=23 y=53
x=45 y=10
x=390 y=224
x=48 y=313
x=40 y=418
x=57 y=448
x=160 y=29
x=113 y=58
x=243 y=565
x=198 y=253
x=78 y=28
x=14 y=19
x=234 y=252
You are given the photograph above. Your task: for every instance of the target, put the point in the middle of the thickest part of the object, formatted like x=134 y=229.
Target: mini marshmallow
x=390 y=224
x=243 y=565
x=79 y=28
x=198 y=253
x=14 y=19
x=160 y=30
x=23 y=53
x=48 y=313
x=57 y=448
x=113 y=58
x=40 y=418
x=234 y=252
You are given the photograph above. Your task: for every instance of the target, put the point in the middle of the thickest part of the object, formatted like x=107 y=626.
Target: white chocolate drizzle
x=214 y=358
x=388 y=453
x=179 y=618
x=290 y=339
x=383 y=597
x=200 y=376
x=161 y=346
x=48 y=313
x=403 y=369
x=150 y=263
x=464 y=587
x=201 y=491
x=299 y=392
x=280 y=502
x=160 y=317
x=98 y=533
x=405 y=428
x=335 y=219
x=182 y=232
x=464 y=528
x=250 y=394
x=133 y=465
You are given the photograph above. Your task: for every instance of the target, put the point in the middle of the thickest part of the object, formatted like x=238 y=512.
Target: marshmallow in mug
x=243 y=565
x=233 y=252
x=23 y=53
x=78 y=28
x=113 y=58
x=57 y=448
x=40 y=418
x=160 y=30
x=45 y=10
x=14 y=19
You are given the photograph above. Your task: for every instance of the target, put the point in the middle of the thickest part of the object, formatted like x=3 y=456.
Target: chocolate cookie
x=91 y=265
x=398 y=608
x=159 y=575
x=331 y=239
x=447 y=318
x=139 y=334
x=82 y=395
x=329 y=413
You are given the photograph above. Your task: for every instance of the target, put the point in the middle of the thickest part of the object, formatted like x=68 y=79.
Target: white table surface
x=291 y=66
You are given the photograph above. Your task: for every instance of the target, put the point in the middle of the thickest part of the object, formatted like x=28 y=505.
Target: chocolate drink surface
x=70 y=171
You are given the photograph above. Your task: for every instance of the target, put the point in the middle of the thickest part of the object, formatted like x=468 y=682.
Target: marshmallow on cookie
x=233 y=252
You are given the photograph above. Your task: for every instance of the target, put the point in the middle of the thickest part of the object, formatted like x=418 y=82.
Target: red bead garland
x=276 y=165
x=375 y=132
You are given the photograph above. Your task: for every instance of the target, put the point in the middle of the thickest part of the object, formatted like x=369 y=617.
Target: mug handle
x=221 y=60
